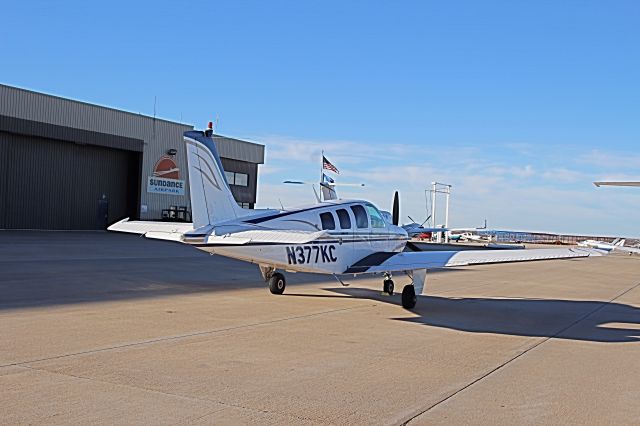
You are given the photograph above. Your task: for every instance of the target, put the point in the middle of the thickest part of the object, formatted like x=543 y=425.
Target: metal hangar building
x=66 y=164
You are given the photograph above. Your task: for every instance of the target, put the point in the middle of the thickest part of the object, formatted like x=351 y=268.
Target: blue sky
x=518 y=105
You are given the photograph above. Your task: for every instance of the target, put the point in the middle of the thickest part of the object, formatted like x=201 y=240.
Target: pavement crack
x=524 y=352
x=181 y=336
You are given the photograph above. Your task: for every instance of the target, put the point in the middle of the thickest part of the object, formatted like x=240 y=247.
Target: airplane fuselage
x=344 y=232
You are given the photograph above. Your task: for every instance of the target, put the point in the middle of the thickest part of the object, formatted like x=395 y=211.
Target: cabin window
x=361 y=216
x=376 y=218
x=343 y=217
x=328 y=222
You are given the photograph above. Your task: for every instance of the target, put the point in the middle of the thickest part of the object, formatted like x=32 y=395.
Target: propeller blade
x=425 y=221
x=396 y=209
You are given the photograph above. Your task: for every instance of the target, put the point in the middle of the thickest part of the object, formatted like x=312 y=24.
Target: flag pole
x=321 y=173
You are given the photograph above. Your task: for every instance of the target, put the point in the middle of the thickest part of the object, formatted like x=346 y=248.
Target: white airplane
x=617 y=244
x=335 y=237
x=469 y=236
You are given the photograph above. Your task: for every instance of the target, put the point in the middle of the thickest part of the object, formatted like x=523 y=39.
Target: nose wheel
x=387 y=286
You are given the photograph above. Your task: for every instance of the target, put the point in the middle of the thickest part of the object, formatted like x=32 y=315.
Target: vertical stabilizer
x=211 y=199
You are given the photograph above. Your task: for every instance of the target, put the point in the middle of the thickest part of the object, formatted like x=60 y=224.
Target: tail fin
x=211 y=199
x=619 y=242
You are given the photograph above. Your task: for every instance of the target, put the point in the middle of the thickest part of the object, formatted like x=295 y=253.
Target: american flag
x=326 y=164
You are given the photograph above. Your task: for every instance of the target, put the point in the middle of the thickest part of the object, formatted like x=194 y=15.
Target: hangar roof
x=41 y=107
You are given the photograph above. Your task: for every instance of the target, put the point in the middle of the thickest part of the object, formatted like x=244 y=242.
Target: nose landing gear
x=387 y=285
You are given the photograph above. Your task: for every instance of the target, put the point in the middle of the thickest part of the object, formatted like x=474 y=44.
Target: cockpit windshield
x=376 y=217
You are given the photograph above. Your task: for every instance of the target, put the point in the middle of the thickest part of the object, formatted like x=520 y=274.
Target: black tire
x=387 y=287
x=409 y=297
x=277 y=283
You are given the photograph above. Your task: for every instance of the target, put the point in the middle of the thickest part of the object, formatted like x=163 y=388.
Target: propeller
x=396 y=209
x=422 y=224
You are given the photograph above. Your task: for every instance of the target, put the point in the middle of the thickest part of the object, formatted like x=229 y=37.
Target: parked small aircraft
x=414 y=228
x=468 y=236
x=617 y=244
x=336 y=237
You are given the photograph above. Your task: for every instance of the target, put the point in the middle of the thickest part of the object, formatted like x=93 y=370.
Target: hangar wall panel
x=50 y=184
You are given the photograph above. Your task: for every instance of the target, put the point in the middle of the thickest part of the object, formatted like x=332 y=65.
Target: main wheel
x=277 y=283
x=408 y=297
x=387 y=287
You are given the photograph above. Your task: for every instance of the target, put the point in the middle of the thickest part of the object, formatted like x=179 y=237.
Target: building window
x=245 y=205
x=328 y=222
x=343 y=217
x=376 y=218
x=360 y=215
x=238 y=179
x=242 y=179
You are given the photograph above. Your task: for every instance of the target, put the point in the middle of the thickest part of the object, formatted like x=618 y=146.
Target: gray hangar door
x=52 y=184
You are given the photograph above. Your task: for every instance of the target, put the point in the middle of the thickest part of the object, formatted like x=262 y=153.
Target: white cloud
x=549 y=193
x=564 y=175
x=611 y=160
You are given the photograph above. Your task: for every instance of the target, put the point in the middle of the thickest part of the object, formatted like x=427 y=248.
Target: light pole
x=440 y=188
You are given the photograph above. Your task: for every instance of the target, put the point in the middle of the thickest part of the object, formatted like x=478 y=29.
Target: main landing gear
x=277 y=283
x=275 y=280
x=409 y=297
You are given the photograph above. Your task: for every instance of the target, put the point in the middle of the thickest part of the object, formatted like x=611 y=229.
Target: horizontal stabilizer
x=267 y=237
x=171 y=231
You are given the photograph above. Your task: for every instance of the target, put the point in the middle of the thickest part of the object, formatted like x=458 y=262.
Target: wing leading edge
x=410 y=261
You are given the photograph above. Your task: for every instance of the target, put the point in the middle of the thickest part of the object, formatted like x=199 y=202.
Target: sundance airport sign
x=165 y=186
x=166 y=178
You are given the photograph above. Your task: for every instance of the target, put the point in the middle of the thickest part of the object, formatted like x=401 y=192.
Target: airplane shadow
x=592 y=321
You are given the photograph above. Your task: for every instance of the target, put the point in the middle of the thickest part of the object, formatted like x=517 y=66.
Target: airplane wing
x=599 y=184
x=410 y=261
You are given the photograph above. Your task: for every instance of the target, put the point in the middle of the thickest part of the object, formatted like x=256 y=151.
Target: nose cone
x=395 y=229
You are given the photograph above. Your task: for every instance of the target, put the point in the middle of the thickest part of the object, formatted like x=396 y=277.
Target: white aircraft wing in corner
x=406 y=261
x=620 y=183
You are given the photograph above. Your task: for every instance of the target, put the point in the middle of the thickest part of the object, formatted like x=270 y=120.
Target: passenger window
x=343 y=217
x=361 y=216
x=376 y=218
x=328 y=222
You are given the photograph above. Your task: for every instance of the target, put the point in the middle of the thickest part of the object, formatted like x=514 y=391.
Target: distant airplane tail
x=619 y=242
x=211 y=199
